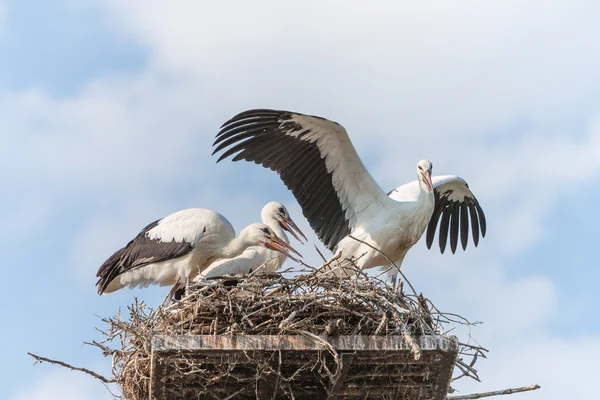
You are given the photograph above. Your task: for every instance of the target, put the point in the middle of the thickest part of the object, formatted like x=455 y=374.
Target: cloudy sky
x=108 y=110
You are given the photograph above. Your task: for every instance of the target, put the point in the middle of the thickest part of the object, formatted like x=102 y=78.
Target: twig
x=495 y=393
x=39 y=359
x=467 y=370
x=321 y=254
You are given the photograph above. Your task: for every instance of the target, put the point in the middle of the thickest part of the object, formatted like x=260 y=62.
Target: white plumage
x=454 y=204
x=390 y=229
x=342 y=202
x=173 y=250
x=256 y=258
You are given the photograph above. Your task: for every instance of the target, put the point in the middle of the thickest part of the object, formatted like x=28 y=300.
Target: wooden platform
x=367 y=367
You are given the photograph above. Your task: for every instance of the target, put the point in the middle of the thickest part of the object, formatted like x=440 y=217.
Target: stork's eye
x=265 y=230
x=281 y=210
x=420 y=168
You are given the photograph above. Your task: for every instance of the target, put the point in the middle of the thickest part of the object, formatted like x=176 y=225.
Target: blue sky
x=41 y=41
x=108 y=111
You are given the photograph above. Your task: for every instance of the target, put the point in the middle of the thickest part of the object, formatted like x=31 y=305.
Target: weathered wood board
x=363 y=367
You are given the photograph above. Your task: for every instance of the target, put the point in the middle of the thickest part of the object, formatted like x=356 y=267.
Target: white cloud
x=527 y=179
x=439 y=68
x=408 y=81
x=103 y=132
x=120 y=141
x=62 y=385
x=126 y=132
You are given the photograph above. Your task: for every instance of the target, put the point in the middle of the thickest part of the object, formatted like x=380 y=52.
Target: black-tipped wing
x=315 y=159
x=456 y=210
x=141 y=251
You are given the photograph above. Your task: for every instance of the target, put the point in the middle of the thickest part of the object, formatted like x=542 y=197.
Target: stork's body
x=258 y=258
x=391 y=230
x=173 y=250
x=342 y=202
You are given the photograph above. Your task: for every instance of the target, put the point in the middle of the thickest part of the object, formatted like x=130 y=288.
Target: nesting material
x=308 y=336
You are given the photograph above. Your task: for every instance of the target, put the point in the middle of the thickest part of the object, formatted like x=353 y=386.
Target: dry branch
x=495 y=393
x=39 y=359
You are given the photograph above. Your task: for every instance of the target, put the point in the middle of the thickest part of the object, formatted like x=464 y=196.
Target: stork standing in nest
x=173 y=250
x=342 y=202
x=259 y=258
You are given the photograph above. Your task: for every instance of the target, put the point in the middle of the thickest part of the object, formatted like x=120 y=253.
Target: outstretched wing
x=315 y=159
x=455 y=204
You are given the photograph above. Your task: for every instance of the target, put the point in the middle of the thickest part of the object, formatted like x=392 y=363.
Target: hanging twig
x=495 y=393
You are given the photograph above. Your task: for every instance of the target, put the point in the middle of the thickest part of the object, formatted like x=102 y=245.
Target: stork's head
x=262 y=235
x=276 y=212
x=424 y=168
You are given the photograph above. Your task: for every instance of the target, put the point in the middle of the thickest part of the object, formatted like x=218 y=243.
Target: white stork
x=454 y=201
x=173 y=250
x=317 y=161
x=255 y=258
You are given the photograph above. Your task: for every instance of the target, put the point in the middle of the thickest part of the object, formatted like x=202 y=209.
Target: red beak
x=279 y=245
x=290 y=226
x=427 y=178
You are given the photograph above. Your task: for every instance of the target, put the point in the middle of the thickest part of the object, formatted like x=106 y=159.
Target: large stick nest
x=312 y=304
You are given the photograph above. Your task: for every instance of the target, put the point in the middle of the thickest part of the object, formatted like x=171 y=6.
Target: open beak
x=427 y=178
x=279 y=245
x=290 y=226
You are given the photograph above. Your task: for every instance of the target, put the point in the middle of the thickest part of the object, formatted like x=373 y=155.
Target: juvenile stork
x=255 y=258
x=173 y=250
x=342 y=202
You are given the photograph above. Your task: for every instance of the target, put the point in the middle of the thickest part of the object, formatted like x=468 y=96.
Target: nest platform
x=309 y=336
x=358 y=367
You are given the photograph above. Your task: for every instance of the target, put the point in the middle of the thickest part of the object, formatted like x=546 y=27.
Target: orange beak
x=279 y=245
x=290 y=226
